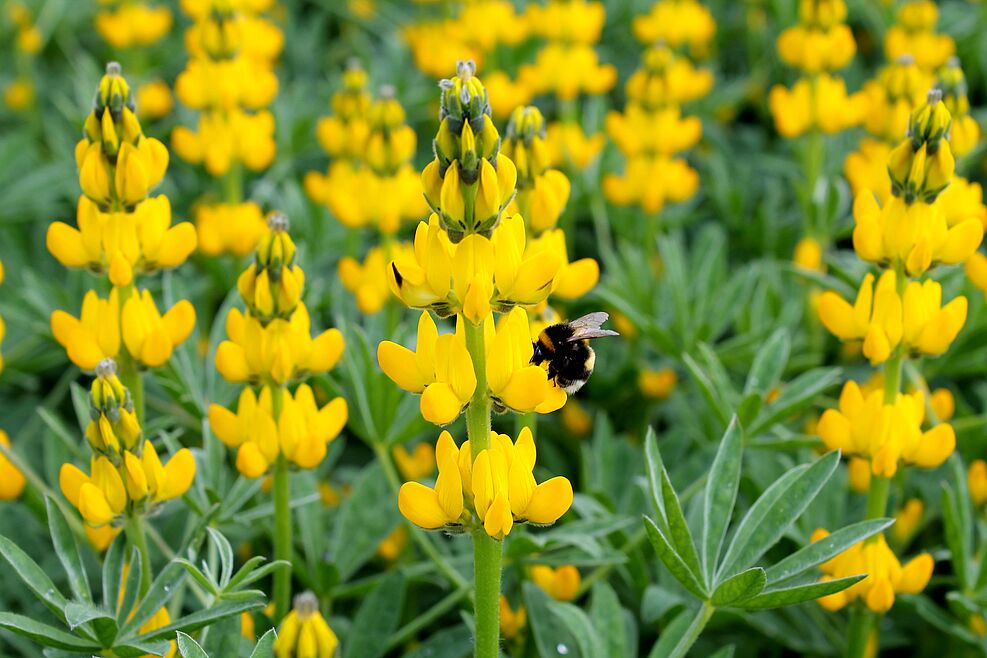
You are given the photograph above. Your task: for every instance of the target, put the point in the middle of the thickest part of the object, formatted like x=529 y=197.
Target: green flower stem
x=127 y=369
x=813 y=166
x=529 y=420
x=861 y=626
x=487 y=552
x=693 y=631
x=233 y=184
x=282 y=521
x=138 y=538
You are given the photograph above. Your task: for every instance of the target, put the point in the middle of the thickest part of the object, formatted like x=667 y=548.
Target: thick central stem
x=486 y=550
x=282 y=520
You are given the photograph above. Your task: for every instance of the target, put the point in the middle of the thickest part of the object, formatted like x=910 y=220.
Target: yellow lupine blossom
x=226 y=139
x=677 y=23
x=122 y=244
x=11 y=479
x=570 y=146
x=976 y=482
x=561 y=583
x=651 y=183
x=137 y=485
x=568 y=70
x=886 y=434
x=391 y=547
x=280 y=352
x=882 y=319
x=476 y=276
x=809 y=255
x=515 y=383
x=301 y=432
x=574 y=279
x=154 y=100
x=510 y=94
x=440 y=369
x=96 y=334
x=943 y=404
x=496 y=490
x=159 y=619
x=272 y=286
x=665 y=77
x=417 y=464
x=914 y=34
x=304 y=633
x=19 y=94
x=512 y=622
x=126 y=24
x=885 y=574
x=542 y=192
x=344 y=133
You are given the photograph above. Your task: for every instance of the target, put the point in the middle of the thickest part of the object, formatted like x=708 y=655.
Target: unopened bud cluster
x=272 y=286
x=922 y=165
x=542 y=192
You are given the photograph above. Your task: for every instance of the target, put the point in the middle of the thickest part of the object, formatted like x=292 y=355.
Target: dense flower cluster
x=652 y=130
x=132 y=23
x=267 y=348
x=495 y=490
x=126 y=477
x=122 y=234
x=229 y=80
x=678 y=23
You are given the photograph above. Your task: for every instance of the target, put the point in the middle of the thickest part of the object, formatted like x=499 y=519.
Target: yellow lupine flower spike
x=304 y=632
x=149 y=336
x=513 y=381
x=885 y=434
x=113 y=425
x=875 y=316
x=964 y=133
x=272 y=286
x=542 y=192
x=885 y=574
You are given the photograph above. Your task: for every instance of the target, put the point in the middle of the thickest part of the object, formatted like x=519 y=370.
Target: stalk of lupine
x=469 y=183
x=118 y=165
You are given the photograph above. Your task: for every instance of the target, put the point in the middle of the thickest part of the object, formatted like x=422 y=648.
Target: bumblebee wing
x=588 y=326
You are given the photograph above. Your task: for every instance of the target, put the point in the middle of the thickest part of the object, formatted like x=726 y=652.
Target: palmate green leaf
x=33 y=576
x=202 y=618
x=189 y=648
x=45 y=634
x=677 y=638
x=205 y=582
x=769 y=363
x=608 y=618
x=716 y=402
x=548 y=629
x=745 y=585
x=225 y=555
x=67 y=549
x=377 y=619
x=673 y=562
x=104 y=622
x=265 y=645
x=677 y=529
x=113 y=572
x=795 y=396
x=162 y=589
x=814 y=554
x=777 y=509
x=775 y=598
x=588 y=638
x=721 y=494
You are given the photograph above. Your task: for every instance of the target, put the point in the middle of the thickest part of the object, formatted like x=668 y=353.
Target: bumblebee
x=565 y=348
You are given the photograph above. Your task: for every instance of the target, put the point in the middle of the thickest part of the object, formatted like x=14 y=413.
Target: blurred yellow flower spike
x=678 y=23
x=886 y=575
x=886 y=434
x=229 y=227
x=821 y=41
x=883 y=319
x=417 y=464
x=976 y=482
x=301 y=432
x=542 y=192
x=820 y=103
x=494 y=491
x=304 y=633
x=512 y=622
x=914 y=34
x=561 y=583
x=148 y=336
x=368 y=281
x=133 y=24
